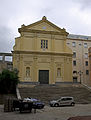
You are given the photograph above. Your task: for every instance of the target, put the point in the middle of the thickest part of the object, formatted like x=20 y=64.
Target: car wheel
x=56 y=105
x=51 y=105
x=72 y=104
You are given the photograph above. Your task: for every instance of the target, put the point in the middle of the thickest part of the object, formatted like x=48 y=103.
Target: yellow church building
x=41 y=55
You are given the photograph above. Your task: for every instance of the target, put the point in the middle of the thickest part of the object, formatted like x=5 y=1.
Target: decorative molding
x=21 y=57
x=59 y=79
x=58 y=64
x=29 y=63
x=35 y=58
x=43 y=60
x=41 y=31
x=43 y=53
x=28 y=79
x=70 y=59
x=65 y=59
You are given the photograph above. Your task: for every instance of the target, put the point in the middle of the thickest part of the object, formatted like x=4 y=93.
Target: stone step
x=47 y=92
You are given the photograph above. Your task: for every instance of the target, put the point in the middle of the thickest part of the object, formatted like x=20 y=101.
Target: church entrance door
x=44 y=76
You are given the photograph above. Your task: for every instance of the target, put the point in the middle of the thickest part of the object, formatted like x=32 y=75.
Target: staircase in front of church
x=46 y=93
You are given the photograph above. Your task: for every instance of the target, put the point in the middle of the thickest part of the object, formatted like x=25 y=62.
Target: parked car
x=37 y=104
x=62 y=101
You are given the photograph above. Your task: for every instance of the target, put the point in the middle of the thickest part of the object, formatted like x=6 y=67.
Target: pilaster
x=35 y=69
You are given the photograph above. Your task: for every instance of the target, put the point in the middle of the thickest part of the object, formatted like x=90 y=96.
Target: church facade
x=41 y=55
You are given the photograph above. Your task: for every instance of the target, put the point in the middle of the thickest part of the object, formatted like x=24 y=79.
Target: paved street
x=48 y=113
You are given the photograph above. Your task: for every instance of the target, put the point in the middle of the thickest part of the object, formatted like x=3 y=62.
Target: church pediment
x=43 y=25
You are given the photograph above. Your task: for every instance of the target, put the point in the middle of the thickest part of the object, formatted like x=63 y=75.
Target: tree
x=8 y=82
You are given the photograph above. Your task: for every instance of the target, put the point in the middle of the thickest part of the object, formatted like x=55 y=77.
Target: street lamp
x=80 y=73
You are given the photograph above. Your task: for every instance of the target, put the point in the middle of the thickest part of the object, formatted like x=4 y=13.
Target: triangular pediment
x=43 y=25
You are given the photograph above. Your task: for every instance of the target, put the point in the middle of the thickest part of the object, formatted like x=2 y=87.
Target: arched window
x=58 y=72
x=27 y=71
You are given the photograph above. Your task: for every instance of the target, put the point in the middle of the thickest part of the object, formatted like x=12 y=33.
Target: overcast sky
x=73 y=15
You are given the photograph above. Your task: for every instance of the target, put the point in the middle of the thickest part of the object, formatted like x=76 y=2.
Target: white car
x=62 y=101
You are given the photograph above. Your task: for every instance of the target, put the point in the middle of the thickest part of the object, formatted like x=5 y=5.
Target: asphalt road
x=48 y=113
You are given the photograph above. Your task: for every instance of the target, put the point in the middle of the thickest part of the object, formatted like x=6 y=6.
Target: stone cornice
x=42 y=31
x=42 y=53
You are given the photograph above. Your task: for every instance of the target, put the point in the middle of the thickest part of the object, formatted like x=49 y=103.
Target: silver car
x=62 y=101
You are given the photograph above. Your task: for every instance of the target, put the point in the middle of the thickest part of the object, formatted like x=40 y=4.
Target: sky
x=73 y=15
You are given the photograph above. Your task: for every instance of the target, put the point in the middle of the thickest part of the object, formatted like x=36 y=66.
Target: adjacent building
x=80 y=62
x=6 y=61
x=89 y=53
